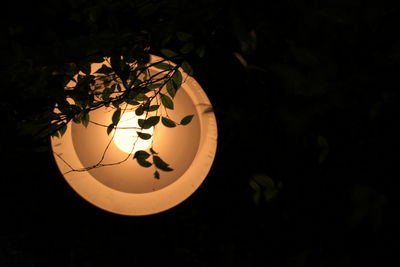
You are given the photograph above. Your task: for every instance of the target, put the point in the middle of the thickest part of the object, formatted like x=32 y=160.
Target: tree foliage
x=126 y=81
x=122 y=83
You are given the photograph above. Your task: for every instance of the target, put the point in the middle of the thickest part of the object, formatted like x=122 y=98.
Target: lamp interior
x=127 y=188
x=177 y=146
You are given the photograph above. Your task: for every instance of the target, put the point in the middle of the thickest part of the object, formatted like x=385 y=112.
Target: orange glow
x=128 y=188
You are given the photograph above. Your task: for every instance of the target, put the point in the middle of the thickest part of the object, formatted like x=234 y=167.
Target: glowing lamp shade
x=127 y=188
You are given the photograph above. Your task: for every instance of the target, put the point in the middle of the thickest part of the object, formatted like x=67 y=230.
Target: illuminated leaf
x=265 y=186
x=104 y=70
x=115 y=62
x=154 y=86
x=187 y=48
x=167 y=122
x=141 y=97
x=110 y=128
x=132 y=102
x=106 y=93
x=254 y=185
x=168 y=52
x=153 y=120
x=132 y=94
x=132 y=76
x=177 y=78
x=139 y=111
x=270 y=194
x=257 y=197
x=264 y=180
x=186 y=120
x=141 y=154
x=183 y=36
x=149 y=122
x=187 y=68
x=85 y=119
x=63 y=129
x=116 y=103
x=55 y=134
x=171 y=89
x=174 y=83
x=160 y=164
x=137 y=82
x=116 y=116
x=143 y=162
x=144 y=90
x=76 y=119
x=86 y=68
x=153 y=108
x=201 y=51
x=141 y=122
x=167 y=101
x=146 y=106
x=141 y=157
x=144 y=136
x=163 y=66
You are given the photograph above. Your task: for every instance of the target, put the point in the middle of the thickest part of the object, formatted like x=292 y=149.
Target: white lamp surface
x=126 y=137
x=128 y=188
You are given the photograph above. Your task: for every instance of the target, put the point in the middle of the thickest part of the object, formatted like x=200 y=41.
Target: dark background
x=315 y=111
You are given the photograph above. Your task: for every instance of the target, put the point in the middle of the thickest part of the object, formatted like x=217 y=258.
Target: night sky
x=306 y=100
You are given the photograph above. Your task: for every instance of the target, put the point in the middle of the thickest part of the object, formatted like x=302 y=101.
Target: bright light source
x=123 y=186
x=126 y=137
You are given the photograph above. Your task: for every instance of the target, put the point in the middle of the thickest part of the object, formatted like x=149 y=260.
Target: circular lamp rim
x=138 y=204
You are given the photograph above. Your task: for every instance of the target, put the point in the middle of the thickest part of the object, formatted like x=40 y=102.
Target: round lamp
x=123 y=186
